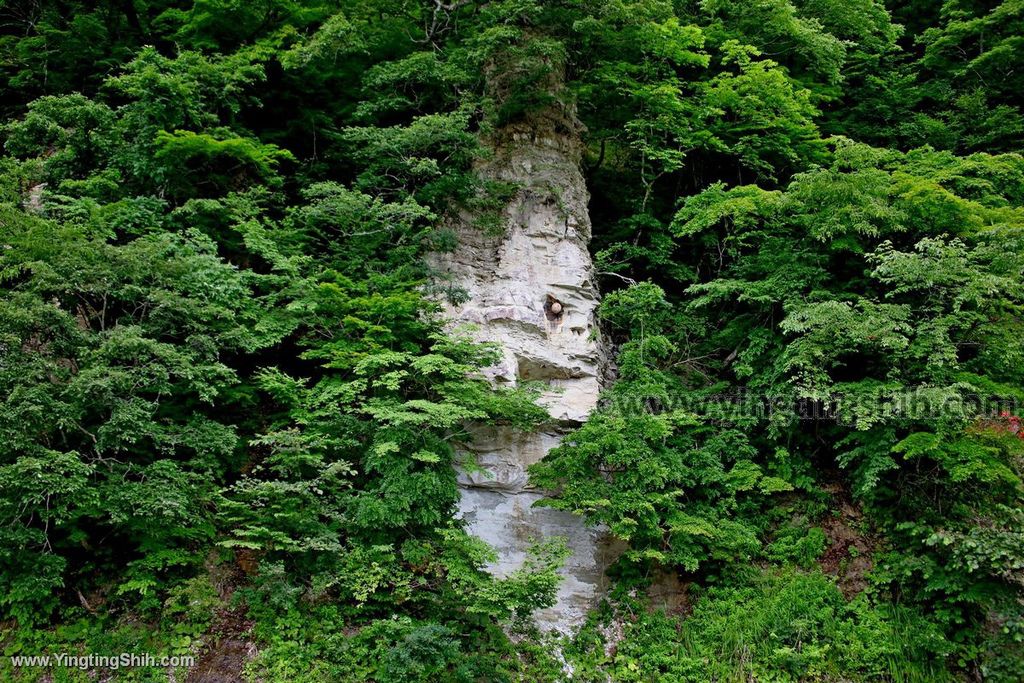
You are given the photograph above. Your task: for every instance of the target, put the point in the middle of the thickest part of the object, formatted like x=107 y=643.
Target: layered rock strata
x=532 y=290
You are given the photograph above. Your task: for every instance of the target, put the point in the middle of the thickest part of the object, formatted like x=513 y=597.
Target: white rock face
x=532 y=289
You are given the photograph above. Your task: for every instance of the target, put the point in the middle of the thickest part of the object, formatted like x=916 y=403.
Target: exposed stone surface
x=667 y=592
x=532 y=289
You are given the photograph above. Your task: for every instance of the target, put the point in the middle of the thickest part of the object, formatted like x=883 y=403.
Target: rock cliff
x=532 y=290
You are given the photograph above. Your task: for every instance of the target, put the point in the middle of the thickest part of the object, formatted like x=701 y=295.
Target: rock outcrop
x=532 y=290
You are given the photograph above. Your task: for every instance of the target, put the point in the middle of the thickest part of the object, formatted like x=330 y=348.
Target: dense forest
x=230 y=400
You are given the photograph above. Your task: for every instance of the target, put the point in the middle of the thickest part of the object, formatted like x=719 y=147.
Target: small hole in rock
x=553 y=308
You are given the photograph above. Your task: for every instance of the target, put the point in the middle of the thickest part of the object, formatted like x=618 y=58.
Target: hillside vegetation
x=228 y=401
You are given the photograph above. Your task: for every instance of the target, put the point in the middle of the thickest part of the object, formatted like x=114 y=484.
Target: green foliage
x=110 y=380
x=207 y=344
x=873 y=298
x=461 y=643
x=971 y=61
x=799 y=546
x=222 y=370
x=219 y=163
x=785 y=626
x=182 y=626
x=639 y=472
